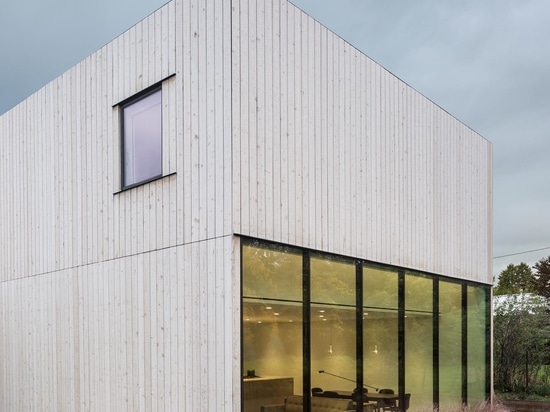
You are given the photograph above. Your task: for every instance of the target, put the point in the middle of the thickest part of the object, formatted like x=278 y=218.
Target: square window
x=142 y=138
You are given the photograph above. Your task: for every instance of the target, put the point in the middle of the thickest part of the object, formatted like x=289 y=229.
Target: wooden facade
x=334 y=153
x=273 y=127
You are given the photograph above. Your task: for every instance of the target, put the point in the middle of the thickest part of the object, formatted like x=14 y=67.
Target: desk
x=371 y=396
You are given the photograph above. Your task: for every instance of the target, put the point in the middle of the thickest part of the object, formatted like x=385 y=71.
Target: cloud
x=39 y=40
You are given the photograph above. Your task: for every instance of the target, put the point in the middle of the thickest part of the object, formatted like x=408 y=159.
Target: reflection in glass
x=380 y=328
x=333 y=325
x=477 y=335
x=272 y=324
x=418 y=339
x=143 y=139
x=450 y=345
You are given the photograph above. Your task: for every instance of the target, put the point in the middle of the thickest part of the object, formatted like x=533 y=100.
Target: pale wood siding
x=123 y=300
x=146 y=332
x=333 y=152
x=61 y=154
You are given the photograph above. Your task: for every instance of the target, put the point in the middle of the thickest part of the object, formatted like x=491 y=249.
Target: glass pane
x=477 y=340
x=272 y=324
x=332 y=281
x=272 y=271
x=143 y=139
x=450 y=345
x=333 y=325
x=419 y=340
x=380 y=328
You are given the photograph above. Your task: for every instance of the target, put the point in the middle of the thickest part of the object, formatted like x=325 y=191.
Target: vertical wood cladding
x=61 y=157
x=123 y=300
x=273 y=127
x=333 y=152
x=138 y=333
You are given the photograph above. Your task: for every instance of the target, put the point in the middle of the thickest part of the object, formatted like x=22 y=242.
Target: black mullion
x=488 y=343
x=306 y=330
x=242 y=241
x=464 y=344
x=401 y=336
x=436 y=343
x=359 y=328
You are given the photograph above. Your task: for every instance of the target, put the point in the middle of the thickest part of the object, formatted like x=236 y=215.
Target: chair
x=385 y=404
x=404 y=407
x=359 y=395
x=399 y=407
x=316 y=391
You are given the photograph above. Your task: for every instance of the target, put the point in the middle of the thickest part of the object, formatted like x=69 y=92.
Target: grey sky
x=486 y=62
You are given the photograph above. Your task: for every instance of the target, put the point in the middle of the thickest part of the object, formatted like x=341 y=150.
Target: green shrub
x=542 y=390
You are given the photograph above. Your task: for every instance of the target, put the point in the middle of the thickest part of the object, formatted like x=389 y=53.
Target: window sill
x=154 y=179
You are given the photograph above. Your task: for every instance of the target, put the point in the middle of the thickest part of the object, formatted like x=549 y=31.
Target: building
x=528 y=302
x=227 y=199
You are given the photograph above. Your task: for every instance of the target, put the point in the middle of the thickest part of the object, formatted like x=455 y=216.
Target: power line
x=522 y=253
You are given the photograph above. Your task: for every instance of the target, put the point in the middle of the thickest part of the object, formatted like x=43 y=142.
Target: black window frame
x=124 y=105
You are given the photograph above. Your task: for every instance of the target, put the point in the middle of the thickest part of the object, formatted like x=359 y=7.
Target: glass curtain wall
x=418 y=338
x=477 y=332
x=272 y=324
x=450 y=345
x=333 y=323
x=305 y=312
x=380 y=328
